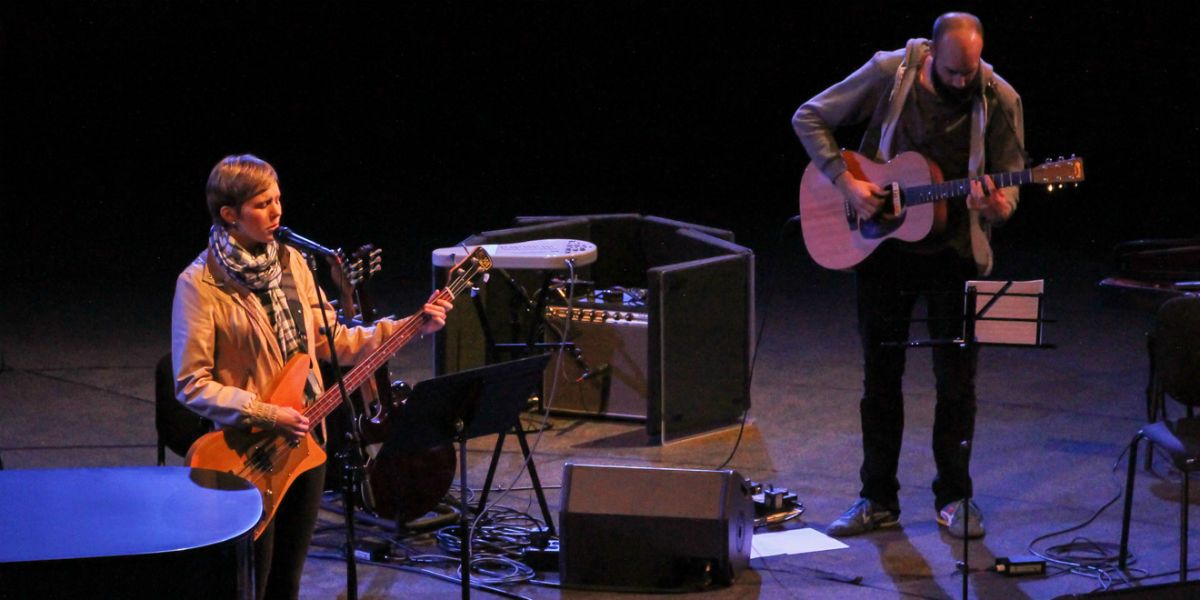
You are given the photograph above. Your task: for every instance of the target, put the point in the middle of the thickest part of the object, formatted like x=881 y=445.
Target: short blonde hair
x=235 y=180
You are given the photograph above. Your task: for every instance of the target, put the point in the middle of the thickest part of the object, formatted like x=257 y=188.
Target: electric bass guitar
x=399 y=485
x=838 y=238
x=270 y=461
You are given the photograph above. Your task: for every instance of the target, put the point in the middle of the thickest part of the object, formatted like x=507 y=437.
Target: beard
x=951 y=94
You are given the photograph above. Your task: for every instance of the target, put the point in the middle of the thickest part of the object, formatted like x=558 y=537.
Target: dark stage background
x=416 y=125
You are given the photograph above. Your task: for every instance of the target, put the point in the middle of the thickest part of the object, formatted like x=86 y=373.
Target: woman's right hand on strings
x=291 y=423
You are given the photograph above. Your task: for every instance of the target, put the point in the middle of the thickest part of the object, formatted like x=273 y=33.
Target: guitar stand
x=465 y=405
x=970 y=342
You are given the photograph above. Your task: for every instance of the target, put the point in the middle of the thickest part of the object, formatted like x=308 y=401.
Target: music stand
x=1010 y=315
x=465 y=405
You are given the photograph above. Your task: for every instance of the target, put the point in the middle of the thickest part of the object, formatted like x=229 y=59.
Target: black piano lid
x=56 y=514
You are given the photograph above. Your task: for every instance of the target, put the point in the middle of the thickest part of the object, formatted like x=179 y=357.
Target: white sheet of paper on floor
x=793 y=541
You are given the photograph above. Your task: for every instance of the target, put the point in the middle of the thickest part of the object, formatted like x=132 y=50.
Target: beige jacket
x=224 y=349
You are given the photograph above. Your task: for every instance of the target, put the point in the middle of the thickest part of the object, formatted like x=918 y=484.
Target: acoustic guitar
x=838 y=238
x=270 y=461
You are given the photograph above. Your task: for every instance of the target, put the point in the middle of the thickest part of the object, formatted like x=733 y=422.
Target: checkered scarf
x=262 y=273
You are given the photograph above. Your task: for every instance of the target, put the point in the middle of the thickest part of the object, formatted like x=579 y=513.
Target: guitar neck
x=363 y=371
x=960 y=188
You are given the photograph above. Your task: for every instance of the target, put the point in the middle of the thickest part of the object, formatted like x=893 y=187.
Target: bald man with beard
x=939 y=98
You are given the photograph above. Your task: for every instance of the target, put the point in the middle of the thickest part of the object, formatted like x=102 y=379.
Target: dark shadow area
x=413 y=127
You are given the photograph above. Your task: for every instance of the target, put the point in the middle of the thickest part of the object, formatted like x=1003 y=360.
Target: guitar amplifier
x=609 y=379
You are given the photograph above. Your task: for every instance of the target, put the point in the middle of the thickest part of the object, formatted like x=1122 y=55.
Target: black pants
x=888 y=287
x=280 y=551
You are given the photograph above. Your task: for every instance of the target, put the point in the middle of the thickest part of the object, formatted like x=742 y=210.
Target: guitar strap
x=981 y=247
x=910 y=68
x=296 y=310
x=288 y=283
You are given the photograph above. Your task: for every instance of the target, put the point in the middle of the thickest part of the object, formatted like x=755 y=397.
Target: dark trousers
x=280 y=551
x=889 y=284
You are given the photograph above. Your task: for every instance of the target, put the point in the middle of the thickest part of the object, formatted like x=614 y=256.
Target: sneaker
x=864 y=516
x=961 y=523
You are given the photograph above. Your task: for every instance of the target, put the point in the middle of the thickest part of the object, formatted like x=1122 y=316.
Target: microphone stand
x=972 y=314
x=351 y=454
x=970 y=344
x=964 y=566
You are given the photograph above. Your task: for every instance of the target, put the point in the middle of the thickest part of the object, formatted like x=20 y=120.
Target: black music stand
x=465 y=405
x=996 y=295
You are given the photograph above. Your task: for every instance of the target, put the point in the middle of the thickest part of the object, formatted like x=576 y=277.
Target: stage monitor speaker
x=648 y=529
x=612 y=346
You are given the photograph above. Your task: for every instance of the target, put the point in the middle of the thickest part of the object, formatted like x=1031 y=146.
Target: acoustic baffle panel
x=691 y=360
x=702 y=339
x=648 y=529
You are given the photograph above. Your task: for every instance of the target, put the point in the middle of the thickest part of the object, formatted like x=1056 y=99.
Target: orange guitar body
x=264 y=458
x=269 y=461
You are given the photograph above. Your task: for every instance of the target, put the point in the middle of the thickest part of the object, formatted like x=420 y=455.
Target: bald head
x=956 y=21
x=957 y=47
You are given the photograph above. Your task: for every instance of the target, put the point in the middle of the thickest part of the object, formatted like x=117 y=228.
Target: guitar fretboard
x=958 y=188
x=478 y=262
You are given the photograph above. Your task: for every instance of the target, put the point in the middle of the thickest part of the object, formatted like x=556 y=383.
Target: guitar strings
x=255 y=471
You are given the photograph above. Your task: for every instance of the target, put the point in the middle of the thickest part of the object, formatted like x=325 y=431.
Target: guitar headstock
x=350 y=275
x=366 y=262
x=1059 y=172
x=477 y=263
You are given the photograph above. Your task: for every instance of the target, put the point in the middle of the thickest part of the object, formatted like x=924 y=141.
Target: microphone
x=286 y=236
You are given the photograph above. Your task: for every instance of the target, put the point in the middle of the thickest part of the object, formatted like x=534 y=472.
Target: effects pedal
x=773 y=505
x=1020 y=565
x=542 y=558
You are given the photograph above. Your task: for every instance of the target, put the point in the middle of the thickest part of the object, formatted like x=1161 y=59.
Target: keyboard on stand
x=547 y=255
